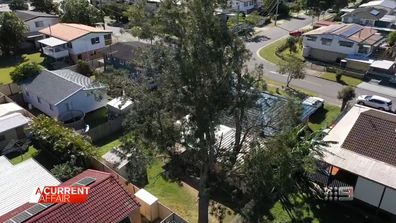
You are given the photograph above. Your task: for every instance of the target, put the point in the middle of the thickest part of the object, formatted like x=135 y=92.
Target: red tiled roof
x=108 y=201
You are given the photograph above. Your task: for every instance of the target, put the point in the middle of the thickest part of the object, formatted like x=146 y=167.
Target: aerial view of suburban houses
x=169 y=111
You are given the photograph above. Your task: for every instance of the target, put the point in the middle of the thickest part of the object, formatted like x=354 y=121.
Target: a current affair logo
x=60 y=194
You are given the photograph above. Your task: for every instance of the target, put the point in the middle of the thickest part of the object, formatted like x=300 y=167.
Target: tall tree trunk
x=203 y=195
x=343 y=104
x=288 y=80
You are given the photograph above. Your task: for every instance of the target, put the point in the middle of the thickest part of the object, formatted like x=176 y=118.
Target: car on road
x=375 y=101
x=314 y=101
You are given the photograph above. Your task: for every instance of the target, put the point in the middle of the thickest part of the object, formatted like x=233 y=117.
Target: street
x=323 y=88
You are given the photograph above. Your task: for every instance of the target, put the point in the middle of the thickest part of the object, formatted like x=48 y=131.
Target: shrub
x=84 y=68
x=339 y=74
x=25 y=71
x=65 y=171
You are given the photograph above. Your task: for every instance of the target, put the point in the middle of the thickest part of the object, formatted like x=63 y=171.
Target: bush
x=84 y=68
x=339 y=74
x=65 y=171
x=25 y=71
x=391 y=39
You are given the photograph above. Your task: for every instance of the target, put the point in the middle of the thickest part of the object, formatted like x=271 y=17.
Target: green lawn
x=96 y=117
x=8 y=63
x=345 y=80
x=16 y=158
x=323 y=118
x=268 y=52
x=108 y=144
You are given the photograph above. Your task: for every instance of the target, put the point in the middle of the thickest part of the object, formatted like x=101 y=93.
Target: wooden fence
x=106 y=129
x=10 y=89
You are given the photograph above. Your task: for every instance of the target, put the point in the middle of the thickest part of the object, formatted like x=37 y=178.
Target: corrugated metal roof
x=4 y=164
x=17 y=183
x=77 y=78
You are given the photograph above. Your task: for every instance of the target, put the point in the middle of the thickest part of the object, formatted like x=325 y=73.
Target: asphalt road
x=323 y=88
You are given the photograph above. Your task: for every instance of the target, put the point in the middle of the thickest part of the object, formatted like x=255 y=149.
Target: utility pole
x=276 y=13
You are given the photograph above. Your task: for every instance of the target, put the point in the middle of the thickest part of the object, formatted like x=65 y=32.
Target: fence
x=10 y=89
x=106 y=129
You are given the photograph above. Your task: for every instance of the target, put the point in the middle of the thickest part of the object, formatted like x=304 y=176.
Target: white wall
x=47 y=21
x=43 y=106
x=84 y=101
x=250 y=5
x=83 y=44
x=368 y=191
x=334 y=47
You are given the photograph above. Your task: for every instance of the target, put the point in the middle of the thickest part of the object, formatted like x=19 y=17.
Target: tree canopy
x=80 y=11
x=18 y=5
x=12 y=31
x=346 y=94
x=293 y=67
x=25 y=71
x=47 y=6
x=391 y=38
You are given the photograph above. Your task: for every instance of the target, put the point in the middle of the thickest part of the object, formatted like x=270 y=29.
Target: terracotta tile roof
x=108 y=201
x=70 y=31
x=374 y=135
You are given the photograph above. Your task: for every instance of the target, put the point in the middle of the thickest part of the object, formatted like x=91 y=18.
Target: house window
x=246 y=4
x=51 y=107
x=39 y=24
x=39 y=100
x=95 y=40
x=2 y=138
x=345 y=43
x=250 y=3
x=326 y=41
x=69 y=45
x=311 y=38
x=107 y=38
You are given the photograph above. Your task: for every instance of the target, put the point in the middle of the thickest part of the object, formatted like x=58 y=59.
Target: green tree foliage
x=25 y=71
x=293 y=67
x=80 y=11
x=18 y=5
x=63 y=143
x=116 y=11
x=66 y=171
x=143 y=21
x=12 y=31
x=346 y=94
x=391 y=39
x=84 y=68
x=47 y=6
x=291 y=43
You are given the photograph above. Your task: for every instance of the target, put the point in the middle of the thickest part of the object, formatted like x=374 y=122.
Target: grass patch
x=107 y=144
x=323 y=118
x=268 y=52
x=178 y=198
x=345 y=80
x=16 y=158
x=96 y=117
x=8 y=64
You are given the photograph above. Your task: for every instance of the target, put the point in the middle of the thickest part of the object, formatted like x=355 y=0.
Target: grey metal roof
x=77 y=78
x=25 y=15
x=368 y=13
x=51 y=87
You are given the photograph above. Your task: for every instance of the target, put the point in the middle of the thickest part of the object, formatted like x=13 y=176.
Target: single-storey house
x=59 y=93
x=17 y=183
x=389 y=5
x=364 y=16
x=108 y=201
x=74 y=41
x=335 y=42
x=363 y=149
x=121 y=55
x=244 y=5
x=34 y=22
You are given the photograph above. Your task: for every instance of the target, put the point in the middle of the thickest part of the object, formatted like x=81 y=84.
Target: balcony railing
x=56 y=52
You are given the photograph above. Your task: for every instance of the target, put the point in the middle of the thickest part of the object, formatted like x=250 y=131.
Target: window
x=246 y=4
x=345 y=44
x=69 y=45
x=39 y=100
x=95 y=40
x=326 y=41
x=2 y=138
x=107 y=38
x=39 y=24
x=311 y=38
x=51 y=107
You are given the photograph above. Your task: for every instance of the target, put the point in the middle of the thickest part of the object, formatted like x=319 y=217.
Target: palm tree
x=346 y=94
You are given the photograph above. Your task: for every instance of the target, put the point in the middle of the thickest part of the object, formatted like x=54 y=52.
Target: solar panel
x=86 y=181
x=352 y=30
x=21 y=217
x=374 y=12
x=36 y=209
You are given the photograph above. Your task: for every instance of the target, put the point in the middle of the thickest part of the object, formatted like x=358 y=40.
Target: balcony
x=56 y=52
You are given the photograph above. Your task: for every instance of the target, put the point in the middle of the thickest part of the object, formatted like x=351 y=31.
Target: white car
x=314 y=101
x=375 y=101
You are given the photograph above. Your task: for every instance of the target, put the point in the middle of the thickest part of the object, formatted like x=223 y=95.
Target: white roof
x=346 y=10
x=382 y=64
x=358 y=164
x=383 y=3
x=17 y=183
x=114 y=157
x=119 y=103
x=146 y=197
x=9 y=108
x=4 y=164
x=52 y=41
x=12 y=121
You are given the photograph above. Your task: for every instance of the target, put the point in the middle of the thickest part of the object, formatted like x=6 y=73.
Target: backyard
x=8 y=63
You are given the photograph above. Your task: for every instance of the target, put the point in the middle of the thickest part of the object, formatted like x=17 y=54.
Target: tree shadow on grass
x=12 y=60
x=319 y=116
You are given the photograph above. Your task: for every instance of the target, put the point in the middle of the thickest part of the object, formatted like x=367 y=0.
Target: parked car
x=375 y=101
x=296 y=33
x=314 y=101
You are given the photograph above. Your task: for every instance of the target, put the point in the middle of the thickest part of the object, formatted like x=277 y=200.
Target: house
x=121 y=55
x=366 y=16
x=244 y=5
x=62 y=94
x=389 y=5
x=335 y=42
x=108 y=201
x=363 y=151
x=17 y=183
x=382 y=68
x=74 y=41
x=13 y=120
x=34 y=22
